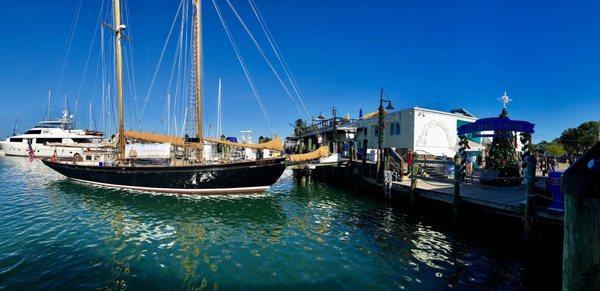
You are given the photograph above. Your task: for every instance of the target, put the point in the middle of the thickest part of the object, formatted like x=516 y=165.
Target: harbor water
x=57 y=234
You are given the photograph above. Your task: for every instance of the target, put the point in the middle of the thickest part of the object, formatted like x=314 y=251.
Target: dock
x=508 y=201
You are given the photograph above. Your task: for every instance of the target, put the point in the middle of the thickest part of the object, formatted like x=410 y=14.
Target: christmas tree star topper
x=504 y=99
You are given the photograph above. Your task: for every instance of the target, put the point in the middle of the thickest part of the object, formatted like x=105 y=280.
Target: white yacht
x=50 y=136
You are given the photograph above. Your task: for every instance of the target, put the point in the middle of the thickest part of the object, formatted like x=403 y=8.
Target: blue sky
x=434 y=54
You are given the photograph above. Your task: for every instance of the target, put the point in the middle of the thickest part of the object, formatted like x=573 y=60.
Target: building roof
x=462 y=111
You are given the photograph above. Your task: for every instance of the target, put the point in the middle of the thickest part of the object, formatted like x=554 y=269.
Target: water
x=57 y=234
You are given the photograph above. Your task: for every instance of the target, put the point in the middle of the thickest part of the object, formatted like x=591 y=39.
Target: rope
x=281 y=59
x=131 y=59
x=90 y=50
x=181 y=55
x=264 y=56
x=68 y=50
x=278 y=54
x=162 y=54
x=242 y=63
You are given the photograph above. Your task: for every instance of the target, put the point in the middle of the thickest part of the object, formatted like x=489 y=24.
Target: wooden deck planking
x=504 y=200
x=507 y=199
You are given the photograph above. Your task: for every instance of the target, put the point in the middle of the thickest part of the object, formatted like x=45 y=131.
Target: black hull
x=241 y=177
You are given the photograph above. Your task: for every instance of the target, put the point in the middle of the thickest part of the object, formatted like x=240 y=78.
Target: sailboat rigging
x=193 y=174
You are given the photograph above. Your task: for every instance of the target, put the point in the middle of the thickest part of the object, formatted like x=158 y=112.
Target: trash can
x=554 y=188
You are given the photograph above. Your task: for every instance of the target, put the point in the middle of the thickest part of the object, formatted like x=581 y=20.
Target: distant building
x=421 y=130
x=424 y=131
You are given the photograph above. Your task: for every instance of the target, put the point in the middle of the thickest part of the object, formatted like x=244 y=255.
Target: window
x=394 y=128
x=16 y=139
x=82 y=140
x=365 y=131
x=47 y=140
x=33 y=131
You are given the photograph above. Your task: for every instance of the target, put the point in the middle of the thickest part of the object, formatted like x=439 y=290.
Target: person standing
x=409 y=160
x=543 y=166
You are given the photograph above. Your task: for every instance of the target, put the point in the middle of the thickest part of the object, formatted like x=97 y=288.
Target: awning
x=496 y=124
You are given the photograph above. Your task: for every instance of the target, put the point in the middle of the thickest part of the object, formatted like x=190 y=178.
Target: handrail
x=433 y=162
x=395 y=156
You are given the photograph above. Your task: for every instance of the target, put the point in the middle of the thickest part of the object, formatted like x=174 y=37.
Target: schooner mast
x=198 y=74
x=118 y=28
x=248 y=176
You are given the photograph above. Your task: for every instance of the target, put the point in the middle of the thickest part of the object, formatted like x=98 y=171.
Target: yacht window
x=82 y=140
x=47 y=140
x=16 y=139
x=33 y=131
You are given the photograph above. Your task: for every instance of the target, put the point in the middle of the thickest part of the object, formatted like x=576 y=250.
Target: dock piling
x=581 y=248
x=529 y=198
x=413 y=183
x=456 y=197
x=387 y=175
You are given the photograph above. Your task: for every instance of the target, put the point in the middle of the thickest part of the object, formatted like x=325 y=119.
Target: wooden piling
x=413 y=183
x=529 y=198
x=581 y=251
x=581 y=247
x=457 y=178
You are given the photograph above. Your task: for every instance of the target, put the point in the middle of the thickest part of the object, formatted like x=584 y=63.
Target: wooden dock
x=504 y=200
x=501 y=200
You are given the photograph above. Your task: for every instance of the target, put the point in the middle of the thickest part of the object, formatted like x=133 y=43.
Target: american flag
x=30 y=153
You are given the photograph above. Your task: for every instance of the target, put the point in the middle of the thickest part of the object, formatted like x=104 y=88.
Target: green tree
x=539 y=147
x=581 y=138
x=554 y=148
x=502 y=155
x=299 y=127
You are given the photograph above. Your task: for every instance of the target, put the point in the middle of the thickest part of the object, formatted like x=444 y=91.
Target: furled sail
x=321 y=152
x=274 y=144
x=160 y=138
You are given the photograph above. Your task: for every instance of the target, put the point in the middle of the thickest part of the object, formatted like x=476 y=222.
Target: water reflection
x=68 y=235
x=192 y=232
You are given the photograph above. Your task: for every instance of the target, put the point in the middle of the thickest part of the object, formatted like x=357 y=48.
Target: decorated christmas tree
x=501 y=154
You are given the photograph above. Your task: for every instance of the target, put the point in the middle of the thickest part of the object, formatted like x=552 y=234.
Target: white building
x=424 y=131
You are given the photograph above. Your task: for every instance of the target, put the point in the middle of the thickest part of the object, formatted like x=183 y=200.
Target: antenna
x=76 y=111
x=219 y=129
x=169 y=114
x=65 y=104
x=16 y=124
x=90 y=117
x=49 y=105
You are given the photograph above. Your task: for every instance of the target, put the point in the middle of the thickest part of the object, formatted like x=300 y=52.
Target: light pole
x=381 y=127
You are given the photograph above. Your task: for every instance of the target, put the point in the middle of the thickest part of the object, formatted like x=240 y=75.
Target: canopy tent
x=496 y=124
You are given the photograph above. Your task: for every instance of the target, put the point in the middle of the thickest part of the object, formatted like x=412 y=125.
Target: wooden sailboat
x=246 y=176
